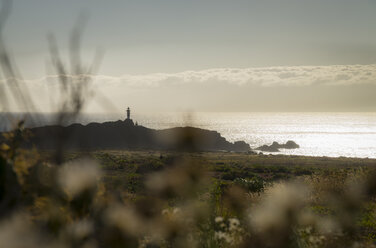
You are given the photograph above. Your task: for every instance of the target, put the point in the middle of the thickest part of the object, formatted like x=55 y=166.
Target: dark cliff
x=125 y=135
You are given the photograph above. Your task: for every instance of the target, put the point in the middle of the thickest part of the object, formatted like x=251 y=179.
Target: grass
x=221 y=165
x=202 y=199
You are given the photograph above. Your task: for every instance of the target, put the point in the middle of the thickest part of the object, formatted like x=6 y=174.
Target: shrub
x=252 y=185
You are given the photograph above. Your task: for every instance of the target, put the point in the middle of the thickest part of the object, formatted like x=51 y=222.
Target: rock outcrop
x=276 y=146
x=125 y=135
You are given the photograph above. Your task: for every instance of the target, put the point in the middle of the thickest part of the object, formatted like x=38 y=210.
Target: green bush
x=252 y=185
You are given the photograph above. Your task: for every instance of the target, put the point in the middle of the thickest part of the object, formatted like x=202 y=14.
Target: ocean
x=318 y=134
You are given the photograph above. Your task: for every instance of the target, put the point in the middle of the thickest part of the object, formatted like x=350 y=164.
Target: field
x=207 y=199
x=122 y=198
x=127 y=169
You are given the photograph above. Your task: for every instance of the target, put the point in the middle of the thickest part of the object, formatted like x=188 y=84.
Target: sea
x=318 y=134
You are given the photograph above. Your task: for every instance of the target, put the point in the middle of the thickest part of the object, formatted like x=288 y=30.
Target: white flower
x=171 y=212
x=17 y=231
x=234 y=221
x=176 y=210
x=234 y=224
x=274 y=210
x=218 y=219
x=223 y=236
x=126 y=219
x=81 y=229
x=219 y=235
x=78 y=175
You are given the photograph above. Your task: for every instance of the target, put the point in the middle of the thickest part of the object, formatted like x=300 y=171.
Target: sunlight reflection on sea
x=318 y=134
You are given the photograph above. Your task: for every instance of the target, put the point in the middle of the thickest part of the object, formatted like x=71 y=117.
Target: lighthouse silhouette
x=129 y=121
x=128 y=113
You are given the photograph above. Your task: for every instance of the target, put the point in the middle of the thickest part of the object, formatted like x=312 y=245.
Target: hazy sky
x=212 y=55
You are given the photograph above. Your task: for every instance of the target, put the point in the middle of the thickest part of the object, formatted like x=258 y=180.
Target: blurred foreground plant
x=67 y=204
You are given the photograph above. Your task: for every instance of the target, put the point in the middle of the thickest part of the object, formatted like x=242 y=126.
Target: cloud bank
x=259 y=76
x=263 y=76
x=283 y=88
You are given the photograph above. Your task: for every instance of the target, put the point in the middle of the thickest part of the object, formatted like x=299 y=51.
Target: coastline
x=241 y=157
x=349 y=134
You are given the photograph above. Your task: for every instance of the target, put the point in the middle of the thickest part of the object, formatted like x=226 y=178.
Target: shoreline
x=250 y=154
x=240 y=158
x=347 y=134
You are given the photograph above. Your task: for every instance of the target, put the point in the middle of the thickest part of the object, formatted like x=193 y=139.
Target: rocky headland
x=125 y=135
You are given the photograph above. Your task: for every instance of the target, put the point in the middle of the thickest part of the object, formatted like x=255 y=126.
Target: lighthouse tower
x=128 y=121
x=128 y=113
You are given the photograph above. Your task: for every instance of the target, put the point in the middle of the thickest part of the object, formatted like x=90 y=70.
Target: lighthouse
x=128 y=113
x=128 y=121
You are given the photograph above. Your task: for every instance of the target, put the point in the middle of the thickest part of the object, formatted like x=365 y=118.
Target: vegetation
x=170 y=199
x=163 y=199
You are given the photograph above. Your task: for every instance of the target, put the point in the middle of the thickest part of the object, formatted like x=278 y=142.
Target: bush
x=253 y=185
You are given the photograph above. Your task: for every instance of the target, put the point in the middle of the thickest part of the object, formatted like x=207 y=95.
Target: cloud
x=264 y=76
x=287 y=76
x=283 y=88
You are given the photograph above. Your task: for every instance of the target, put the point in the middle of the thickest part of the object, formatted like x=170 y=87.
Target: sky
x=208 y=55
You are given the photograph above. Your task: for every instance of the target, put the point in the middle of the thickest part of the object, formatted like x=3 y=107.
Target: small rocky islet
x=276 y=146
